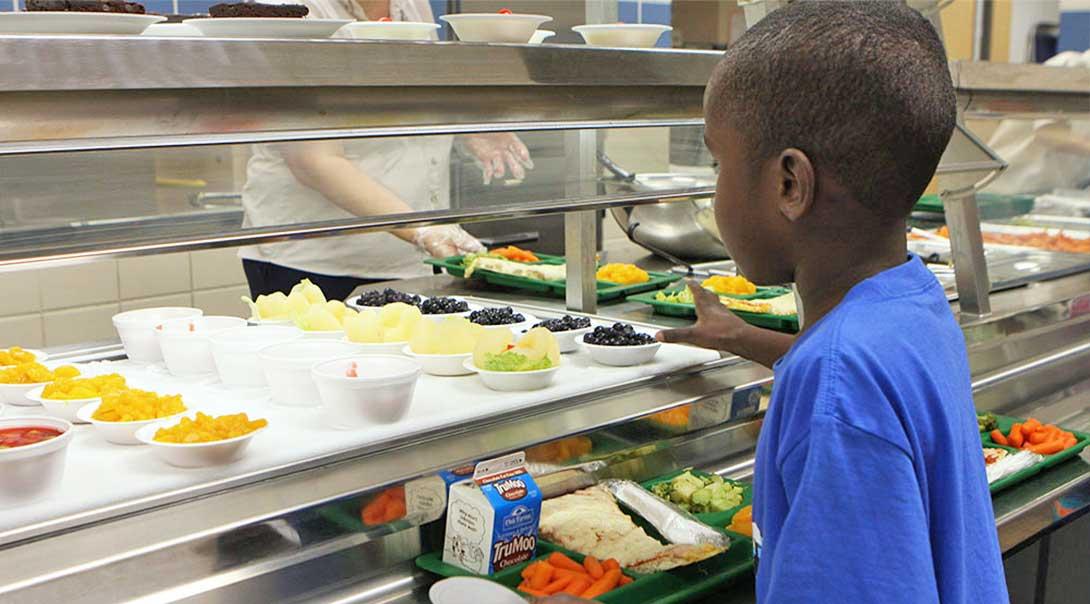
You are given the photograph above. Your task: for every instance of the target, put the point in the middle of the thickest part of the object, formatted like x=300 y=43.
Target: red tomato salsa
x=25 y=435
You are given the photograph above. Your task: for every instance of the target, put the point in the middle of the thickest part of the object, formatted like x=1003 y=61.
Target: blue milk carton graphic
x=492 y=518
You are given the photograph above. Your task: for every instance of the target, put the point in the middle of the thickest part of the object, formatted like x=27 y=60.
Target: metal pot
x=676 y=230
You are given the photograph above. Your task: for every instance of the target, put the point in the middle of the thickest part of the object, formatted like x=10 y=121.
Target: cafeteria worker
x=329 y=180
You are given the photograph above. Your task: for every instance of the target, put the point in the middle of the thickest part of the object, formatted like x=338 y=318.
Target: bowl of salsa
x=32 y=457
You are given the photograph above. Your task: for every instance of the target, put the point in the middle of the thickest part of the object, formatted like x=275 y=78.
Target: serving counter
x=288 y=529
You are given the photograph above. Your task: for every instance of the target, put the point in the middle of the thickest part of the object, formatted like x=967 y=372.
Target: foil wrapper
x=674 y=524
x=1011 y=464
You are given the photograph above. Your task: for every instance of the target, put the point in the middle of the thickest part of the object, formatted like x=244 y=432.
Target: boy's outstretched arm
x=719 y=329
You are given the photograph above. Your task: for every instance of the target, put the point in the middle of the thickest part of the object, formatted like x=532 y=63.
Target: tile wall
x=74 y=304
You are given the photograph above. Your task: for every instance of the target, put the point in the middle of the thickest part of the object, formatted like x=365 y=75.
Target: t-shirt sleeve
x=856 y=530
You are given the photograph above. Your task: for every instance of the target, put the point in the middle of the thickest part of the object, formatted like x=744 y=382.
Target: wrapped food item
x=1006 y=465
x=673 y=523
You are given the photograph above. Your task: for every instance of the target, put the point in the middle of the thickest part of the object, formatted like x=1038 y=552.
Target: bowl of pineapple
x=442 y=347
x=305 y=307
x=507 y=365
x=383 y=331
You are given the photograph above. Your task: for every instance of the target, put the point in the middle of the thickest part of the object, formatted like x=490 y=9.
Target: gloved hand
x=445 y=240
x=498 y=152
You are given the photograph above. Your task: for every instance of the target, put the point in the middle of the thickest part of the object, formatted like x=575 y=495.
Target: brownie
x=256 y=9
x=86 y=6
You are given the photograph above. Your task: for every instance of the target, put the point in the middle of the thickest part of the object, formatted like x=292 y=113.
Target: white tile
x=185 y=299
x=24 y=330
x=21 y=293
x=224 y=301
x=217 y=268
x=80 y=325
x=79 y=285
x=149 y=276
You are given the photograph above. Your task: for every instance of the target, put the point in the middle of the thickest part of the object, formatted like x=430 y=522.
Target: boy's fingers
x=675 y=336
x=702 y=298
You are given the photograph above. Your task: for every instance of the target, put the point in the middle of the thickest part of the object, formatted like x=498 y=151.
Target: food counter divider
x=299 y=433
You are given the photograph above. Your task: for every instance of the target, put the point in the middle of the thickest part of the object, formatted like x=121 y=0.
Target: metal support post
x=581 y=227
x=967 y=246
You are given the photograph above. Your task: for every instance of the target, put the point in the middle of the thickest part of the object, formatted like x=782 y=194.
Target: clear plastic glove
x=446 y=240
x=498 y=153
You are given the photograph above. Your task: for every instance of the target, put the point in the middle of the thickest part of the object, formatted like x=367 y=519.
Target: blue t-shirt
x=869 y=483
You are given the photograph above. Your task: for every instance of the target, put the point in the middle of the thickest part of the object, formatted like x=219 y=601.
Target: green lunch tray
x=718 y=520
x=606 y=291
x=670 y=587
x=991 y=205
x=1005 y=423
x=785 y=323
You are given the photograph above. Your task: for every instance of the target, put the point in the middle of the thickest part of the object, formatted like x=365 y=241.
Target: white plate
x=15 y=394
x=392 y=30
x=514 y=381
x=172 y=30
x=194 y=455
x=568 y=341
x=267 y=27
x=66 y=409
x=495 y=27
x=622 y=35
x=622 y=356
x=471 y=590
x=66 y=23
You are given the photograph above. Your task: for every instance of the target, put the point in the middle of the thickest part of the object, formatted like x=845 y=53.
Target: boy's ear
x=796 y=184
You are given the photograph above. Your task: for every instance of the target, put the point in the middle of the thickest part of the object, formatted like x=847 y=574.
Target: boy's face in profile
x=745 y=208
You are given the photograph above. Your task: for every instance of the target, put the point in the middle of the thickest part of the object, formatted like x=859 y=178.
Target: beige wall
x=74 y=304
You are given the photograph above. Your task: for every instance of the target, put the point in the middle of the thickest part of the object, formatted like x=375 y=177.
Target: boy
x=828 y=120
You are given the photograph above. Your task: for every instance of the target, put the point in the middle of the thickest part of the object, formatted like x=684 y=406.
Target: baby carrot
x=1039 y=436
x=610 y=564
x=559 y=560
x=998 y=438
x=542 y=577
x=533 y=592
x=1048 y=447
x=558 y=584
x=608 y=581
x=594 y=568
x=624 y=580
x=1030 y=427
x=577 y=586
x=1015 y=436
x=530 y=569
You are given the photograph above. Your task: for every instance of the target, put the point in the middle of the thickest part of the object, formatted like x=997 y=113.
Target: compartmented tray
x=785 y=323
x=455 y=267
x=992 y=206
x=717 y=520
x=669 y=587
x=1005 y=423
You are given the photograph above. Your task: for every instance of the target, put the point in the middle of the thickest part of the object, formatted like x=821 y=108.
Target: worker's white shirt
x=1035 y=165
x=416 y=169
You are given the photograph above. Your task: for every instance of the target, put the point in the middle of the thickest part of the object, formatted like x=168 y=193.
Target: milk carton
x=492 y=518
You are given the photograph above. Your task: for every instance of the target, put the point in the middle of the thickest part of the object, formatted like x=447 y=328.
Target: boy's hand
x=716 y=326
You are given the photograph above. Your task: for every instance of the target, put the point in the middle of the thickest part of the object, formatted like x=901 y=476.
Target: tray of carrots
x=557 y=570
x=1053 y=442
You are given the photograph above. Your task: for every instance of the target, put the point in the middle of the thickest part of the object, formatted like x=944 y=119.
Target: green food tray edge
x=1005 y=422
x=789 y=324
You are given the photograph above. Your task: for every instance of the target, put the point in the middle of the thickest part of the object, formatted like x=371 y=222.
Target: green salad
x=986 y=422
x=699 y=494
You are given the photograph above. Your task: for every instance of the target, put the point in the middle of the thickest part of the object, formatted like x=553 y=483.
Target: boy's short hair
x=863 y=88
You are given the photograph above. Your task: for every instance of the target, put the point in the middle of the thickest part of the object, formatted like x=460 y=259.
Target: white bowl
x=622 y=35
x=622 y=356
x=67 y=23
x=280 y=322
x=172 y=30
x=287 y=368
x=194 y=455
x=568 y=341
x=27 y=473
x=188 y=352
x=512 y=381
x=266 y=27
x=137 y=330
x=440 y=364
x=16 y=394
x=65 y=409
x=328 y=334
x=392 y=30
x=39 y=356
x=495 y=27
x=119 y=433
x=541 y=35
x=381 y=394
x=394 y=348
x=471 y=590
x=235 y=352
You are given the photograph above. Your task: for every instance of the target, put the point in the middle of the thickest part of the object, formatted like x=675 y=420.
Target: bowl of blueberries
x=379 y=298
x=502 y=317
x=567 y=330
x=620 y=345
x=436 y=308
